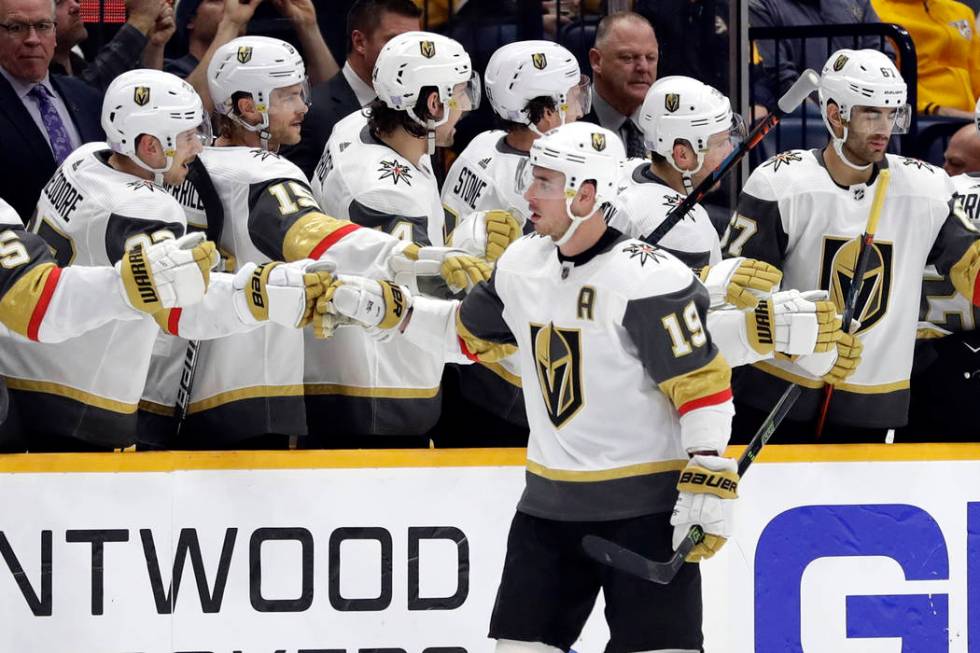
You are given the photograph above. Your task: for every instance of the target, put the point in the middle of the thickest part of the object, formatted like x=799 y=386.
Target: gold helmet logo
x=539 y=60
x=837 y=275
x=598 y=141
x=672 y=102
x=840 y=62
x=244 y=54
x=427 y=48
x=557 y=357
x=141 y=95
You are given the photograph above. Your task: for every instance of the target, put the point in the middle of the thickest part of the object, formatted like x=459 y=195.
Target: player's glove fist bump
x=167 y=274
x=284 y=293
x=707 y=490
x=379 y=306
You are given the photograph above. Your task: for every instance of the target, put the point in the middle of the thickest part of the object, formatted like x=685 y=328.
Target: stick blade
x=615 y=556
x=807 y=83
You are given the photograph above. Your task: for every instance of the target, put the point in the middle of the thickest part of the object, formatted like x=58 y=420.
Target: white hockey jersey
x=792 y=215
x=251 y=383
x=941 y=303
x=645 y=200
x=621 y=378
x=354 y=385
x=88 y=387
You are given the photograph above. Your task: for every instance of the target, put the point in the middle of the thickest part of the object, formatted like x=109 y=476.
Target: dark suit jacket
x=333 y=100
x=29 y=159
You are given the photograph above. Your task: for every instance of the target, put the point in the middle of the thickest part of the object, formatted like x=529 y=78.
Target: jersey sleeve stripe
x=710 y=400
x=43 y=301
x=168 y=320
x=331 y=240
x=965 y=274
x=173 y=321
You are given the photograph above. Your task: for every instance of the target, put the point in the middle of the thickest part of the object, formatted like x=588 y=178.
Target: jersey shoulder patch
x=644 y=270
x=248 y=165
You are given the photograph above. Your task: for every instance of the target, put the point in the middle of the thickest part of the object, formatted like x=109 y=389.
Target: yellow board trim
x=375 y=393
x=170 y=461
x=69 y=392
x=253 y=392
x=641 y=469
x=842 y=387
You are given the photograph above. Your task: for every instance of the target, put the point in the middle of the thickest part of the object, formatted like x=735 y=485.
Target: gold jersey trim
x=252 y=392
x=309 y=231
x=148 y=406
x=374 y=392
x=590 y=476
x=68 y=392
x=19 y=302
x=713 y=378
x=503 y=373
x=815 y=384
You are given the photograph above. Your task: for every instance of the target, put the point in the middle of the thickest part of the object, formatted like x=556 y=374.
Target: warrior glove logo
x=840 y=62
x=672 y=102
x=244 y=54
x=598 y=141
x=427 y=48
x=837 y=273
x=558 y=361
x=141 y=95
x=539 y=60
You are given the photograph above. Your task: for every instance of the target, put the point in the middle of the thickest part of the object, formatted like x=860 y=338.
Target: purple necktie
x=61 y=145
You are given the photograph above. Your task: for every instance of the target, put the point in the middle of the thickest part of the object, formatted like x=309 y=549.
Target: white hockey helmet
x=583 y=152
x=414 y=60
x=256 y=65
x=520 y=72
x=681 y=108
x=154 y=103
x=862 y=78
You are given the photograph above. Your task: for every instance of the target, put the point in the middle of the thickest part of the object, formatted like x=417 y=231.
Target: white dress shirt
x=363 y=91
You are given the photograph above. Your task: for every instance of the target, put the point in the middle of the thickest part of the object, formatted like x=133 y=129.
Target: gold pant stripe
x=815 y=384
x=504 y=373
x=376 y=393
x=157 y=409
x=69 y=392
x=252 y=392
x=575 y=476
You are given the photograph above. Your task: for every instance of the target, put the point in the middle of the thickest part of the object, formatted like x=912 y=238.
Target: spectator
x=963 y=152
x=948 y=51
x=624 y=65
x=209 y=24
x=122 y=53
x=370 y=24
x=793 y=58
x=42 y=117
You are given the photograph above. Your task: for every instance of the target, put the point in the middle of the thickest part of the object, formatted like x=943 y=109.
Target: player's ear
x=834 y=117
x=684 y=155
x=149 y=149
x=586 y=192
x=245 y=106
x=433 y=105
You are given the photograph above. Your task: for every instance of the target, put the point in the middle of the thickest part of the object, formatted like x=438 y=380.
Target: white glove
x=741 y=282
x=707 y=489
x=167 y=274
x=806 y=322
x=283 y=293
x=380 y=306
x=486 y=234
x=458 y=269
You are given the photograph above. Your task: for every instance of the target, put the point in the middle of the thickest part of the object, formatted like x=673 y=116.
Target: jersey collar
x=609 y=238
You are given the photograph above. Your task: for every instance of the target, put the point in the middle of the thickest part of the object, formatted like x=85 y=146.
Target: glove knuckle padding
x=502 y=230
x=706 y=489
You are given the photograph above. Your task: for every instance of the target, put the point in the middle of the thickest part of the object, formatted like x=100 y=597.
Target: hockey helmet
x=257 y=65
x=412 y=61
x=583 y=152
x=155 y=103
x=520 y=72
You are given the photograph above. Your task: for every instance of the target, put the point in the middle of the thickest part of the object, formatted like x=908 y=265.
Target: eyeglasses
x=21 y=30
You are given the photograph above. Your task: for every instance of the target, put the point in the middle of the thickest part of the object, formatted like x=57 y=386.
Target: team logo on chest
x=558 y=361
x=837 y=273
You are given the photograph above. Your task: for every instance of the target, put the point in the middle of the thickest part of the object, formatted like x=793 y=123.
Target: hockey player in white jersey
x=804 y=212
x=689 y=128
x=258 y=86
x=381 y=177
x=624 y=390
x=103 y=206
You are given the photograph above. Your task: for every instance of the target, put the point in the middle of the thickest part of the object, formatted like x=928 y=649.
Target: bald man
x=624 y=66
x=963 y=152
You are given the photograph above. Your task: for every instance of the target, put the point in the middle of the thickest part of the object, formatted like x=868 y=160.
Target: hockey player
x=624 y=390
x=103 y=202
x=689 y=128
x=381 y=177
x=804 y=212
x=258 y=86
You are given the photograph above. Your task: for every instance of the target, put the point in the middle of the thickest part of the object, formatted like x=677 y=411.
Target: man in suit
x=370 y=24
x=42 y=117
x=624 y=66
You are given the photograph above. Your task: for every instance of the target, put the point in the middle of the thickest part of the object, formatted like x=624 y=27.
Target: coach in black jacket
x=42 y=116
x=370 y=24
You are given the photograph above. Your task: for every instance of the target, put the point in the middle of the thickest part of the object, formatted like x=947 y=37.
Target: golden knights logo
x=558 y=361
x=427 y=48
x=840 y=62
x=141 y=95
x=672 y=102
x=837 y=271
x=598 y=141
x=539 y=60
x=244 y=54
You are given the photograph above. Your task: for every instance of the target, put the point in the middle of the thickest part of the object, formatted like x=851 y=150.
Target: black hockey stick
x=610 y=553
x=808 y=82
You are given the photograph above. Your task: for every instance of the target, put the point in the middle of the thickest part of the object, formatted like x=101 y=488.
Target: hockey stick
x=610 y=553
x=808 y=82
x=857 y=281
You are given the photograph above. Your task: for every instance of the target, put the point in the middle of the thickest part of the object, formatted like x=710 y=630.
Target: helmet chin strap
x=576 y=222
x=687 y=175
x=158 y=173
x=262 y=129
x=838 y=144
